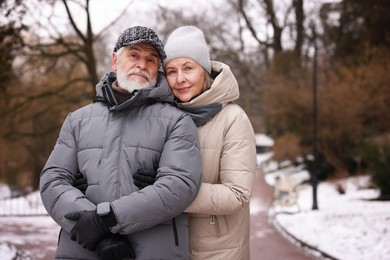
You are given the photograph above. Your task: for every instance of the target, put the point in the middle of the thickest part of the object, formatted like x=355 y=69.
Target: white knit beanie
x=188 y=42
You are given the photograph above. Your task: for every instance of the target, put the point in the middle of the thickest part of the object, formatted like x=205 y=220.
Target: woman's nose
x=180 y=77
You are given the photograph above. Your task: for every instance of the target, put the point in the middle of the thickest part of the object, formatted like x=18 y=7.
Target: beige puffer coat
x=219 y=216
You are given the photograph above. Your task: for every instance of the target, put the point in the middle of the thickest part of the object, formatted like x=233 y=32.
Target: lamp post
x=314 y=173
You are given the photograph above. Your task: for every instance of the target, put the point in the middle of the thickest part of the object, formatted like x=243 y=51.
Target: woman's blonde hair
x=207 y=80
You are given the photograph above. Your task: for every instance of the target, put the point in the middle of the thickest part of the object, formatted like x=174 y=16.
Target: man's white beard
x=131 y=85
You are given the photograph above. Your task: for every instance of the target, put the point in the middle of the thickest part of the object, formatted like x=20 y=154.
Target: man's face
x=136 y=66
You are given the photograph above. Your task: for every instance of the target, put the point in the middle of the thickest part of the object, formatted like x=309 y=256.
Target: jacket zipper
x=175 y=232
x=212 y=220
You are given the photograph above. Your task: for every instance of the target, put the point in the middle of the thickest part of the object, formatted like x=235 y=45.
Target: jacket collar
x=159 y=93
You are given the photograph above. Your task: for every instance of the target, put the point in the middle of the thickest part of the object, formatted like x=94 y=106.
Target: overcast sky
x=103 y=12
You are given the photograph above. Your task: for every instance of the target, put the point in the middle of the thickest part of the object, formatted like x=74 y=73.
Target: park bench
x=285 y=194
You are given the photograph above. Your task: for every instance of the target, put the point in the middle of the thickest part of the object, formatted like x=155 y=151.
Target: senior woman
x=219 y=216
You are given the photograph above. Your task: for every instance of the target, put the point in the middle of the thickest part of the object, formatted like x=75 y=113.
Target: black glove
x=80 y=182
x=89 y=230
x=144 y=177
x=115 y=247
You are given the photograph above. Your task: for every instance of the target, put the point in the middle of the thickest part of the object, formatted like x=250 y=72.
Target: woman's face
x=186 y=78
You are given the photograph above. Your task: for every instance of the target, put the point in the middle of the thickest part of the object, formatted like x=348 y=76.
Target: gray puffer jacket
x=108 y=142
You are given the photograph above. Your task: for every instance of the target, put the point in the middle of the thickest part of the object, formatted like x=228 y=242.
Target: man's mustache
x=138 y=71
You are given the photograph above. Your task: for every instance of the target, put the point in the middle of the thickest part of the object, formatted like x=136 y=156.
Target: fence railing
x=18 y=204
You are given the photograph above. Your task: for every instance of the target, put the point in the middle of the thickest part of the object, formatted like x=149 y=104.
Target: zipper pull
x=212 y=220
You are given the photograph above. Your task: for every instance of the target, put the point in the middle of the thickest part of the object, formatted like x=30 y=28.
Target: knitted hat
x=138 y=34
x=188 y=42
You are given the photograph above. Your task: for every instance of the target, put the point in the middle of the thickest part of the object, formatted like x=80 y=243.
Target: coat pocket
x=168 y=240
x=222 y=224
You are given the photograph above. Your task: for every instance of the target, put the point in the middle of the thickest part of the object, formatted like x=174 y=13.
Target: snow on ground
x=7 y=251
x=24 y=237
x=28 y=238
x=346 y=226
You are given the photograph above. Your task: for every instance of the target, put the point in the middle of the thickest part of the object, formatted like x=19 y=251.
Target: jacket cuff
x=110 y=219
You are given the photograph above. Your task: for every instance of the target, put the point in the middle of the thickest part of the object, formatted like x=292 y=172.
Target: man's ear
x=114 y=61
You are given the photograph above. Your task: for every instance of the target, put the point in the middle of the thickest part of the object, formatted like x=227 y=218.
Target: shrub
x=324 y=168
x=377 y=157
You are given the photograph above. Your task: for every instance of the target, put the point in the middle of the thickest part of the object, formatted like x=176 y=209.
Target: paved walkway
x=266 y=243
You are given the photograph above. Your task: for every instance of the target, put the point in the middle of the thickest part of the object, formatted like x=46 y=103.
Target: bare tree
x=81 y=45
x=299 y=28
x=57 y=72
x=278 y=19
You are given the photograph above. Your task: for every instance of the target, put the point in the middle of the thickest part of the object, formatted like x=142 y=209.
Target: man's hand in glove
x=144 y=177
x=89 y=230
x=115 y=247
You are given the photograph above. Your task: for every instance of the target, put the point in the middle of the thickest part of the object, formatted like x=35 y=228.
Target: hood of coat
x=223 y=90
x=159 y=93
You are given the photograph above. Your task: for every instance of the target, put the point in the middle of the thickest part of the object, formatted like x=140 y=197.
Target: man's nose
x=141 y=64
